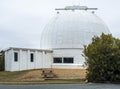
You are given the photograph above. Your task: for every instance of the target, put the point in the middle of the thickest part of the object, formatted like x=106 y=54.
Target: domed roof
x=72 y=29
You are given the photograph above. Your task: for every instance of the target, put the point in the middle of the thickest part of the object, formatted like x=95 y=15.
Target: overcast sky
x=21 y=21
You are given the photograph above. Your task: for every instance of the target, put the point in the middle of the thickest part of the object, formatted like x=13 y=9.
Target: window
x=57 y=60
x=68 y=60
x=32 y=57
x=15 y=56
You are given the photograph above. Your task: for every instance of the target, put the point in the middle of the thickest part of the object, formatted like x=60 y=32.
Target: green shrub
x=103 y=59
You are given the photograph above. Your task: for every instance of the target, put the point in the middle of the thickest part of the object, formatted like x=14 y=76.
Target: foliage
x=2 y=61
x=103 y=59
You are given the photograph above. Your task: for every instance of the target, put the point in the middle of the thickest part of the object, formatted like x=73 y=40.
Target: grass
x=60 y=81
x=10 y=76
x=14 y=78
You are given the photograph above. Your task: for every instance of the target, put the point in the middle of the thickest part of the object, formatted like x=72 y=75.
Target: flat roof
x=15 y=48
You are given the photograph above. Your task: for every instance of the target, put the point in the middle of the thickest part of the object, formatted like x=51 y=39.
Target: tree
x=2 y=66
x=102 y=57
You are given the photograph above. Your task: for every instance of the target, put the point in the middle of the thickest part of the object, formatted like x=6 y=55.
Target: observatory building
x=62 y=41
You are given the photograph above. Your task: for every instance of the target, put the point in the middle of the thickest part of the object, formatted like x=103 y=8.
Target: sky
x=22 y=21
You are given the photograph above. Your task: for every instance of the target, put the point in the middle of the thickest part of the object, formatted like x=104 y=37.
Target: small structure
x=46 y=73
x=18 y=59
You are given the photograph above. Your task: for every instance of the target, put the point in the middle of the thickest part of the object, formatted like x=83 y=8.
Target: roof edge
x=32 y=49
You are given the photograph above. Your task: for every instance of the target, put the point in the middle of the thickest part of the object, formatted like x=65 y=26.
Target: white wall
x=8 y=60
x=75 y=53
x=42 y=59
x=30 y=65
x=67 y=66
x=47 y=60
x=23 y=60
x=38 y=59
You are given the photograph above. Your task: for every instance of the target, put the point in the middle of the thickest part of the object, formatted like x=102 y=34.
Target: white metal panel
x=72 y=29
x=75 y=53
x=38 y=60
x=23 y=60
x=15 y=65
x=31 y=65
x=8 y=60
x=47 y=60
x=42 y=59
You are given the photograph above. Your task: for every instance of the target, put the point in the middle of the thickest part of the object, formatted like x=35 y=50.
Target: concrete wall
x=42 y=59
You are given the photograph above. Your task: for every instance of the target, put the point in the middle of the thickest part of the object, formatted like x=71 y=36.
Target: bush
x=103 y=59
x=2 y=62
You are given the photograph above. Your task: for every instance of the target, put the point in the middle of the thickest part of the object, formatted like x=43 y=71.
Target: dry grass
x=35 y=76
x=10 y=76
x=70 y=73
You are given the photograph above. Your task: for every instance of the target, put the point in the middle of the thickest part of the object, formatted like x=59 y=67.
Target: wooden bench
x=48 y=74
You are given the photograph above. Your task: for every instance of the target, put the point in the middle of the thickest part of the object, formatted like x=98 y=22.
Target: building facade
x=18 y=59
x=64 y=38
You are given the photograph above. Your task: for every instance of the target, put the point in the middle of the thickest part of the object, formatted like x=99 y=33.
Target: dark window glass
x=15 y=56
x=32 y=57
x=68 y=60
x=57 y=60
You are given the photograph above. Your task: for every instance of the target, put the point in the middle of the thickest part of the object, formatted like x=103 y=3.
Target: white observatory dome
x=72 y=28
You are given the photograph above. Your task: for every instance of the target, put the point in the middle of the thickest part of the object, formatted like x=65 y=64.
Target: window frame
x=68 y=60
x=31 y=57
x=15 y=56
x=59 y=60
